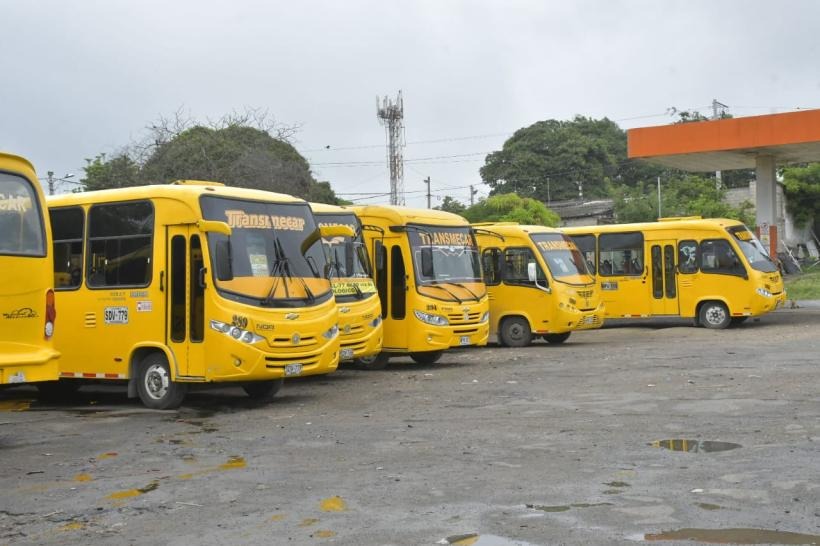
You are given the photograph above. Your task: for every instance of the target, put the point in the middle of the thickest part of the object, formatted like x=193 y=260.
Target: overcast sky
x=81 y=77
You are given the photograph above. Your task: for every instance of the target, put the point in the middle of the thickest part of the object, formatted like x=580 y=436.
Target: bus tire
x=714 y=315
x=428 y=357
x=515 y=332
x=58 y=390
x=154 y=384
x=263 y=391
x=373 y=362
x=556 y=338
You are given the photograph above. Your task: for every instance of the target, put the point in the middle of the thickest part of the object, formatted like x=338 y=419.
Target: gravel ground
x=622 y=435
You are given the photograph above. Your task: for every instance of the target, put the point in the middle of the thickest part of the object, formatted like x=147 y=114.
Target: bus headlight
x=375 y=322
x=331 y=332
x=435 y=320
x=485 y=317
x=235 y=332
x=763 y=292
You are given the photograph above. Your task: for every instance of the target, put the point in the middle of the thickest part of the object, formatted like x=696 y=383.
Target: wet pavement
x=646 y=432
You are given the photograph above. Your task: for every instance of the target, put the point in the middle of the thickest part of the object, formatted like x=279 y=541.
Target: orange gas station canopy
x=732 y=143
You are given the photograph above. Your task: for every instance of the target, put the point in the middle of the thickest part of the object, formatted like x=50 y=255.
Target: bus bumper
x=251 y=364
x=20 y=363
x=464 y=335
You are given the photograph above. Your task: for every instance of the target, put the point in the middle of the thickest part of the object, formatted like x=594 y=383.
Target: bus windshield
x=750 y=246
x=21 y=223
x=444 y=255
x=564 y=260
x=348 y=258
x=275 y=251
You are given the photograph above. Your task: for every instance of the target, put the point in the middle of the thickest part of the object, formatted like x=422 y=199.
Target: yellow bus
x=537 y=282
x=27 y=309
x=171 y=285
x=712 y=270
x=428 y=277
x=360 y=313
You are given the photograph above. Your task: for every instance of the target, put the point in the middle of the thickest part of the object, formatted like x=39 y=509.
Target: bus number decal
x=116 y=315
x=240 y=321
x=609 y=285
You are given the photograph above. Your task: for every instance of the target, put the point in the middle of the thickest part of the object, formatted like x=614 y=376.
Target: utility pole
x=659 y=198
x=50 y=182
x=718 y=111
x=391 y=115
x=427 y=181
x=472 y=195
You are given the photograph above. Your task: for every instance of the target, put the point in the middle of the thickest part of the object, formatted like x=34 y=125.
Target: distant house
x=580 y=212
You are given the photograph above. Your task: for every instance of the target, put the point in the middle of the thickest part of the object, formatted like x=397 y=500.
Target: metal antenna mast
x=391 y=115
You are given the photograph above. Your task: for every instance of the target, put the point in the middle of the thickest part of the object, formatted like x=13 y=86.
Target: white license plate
x=293 y=369
x=465 y=340
x=346 y=354
x=589 y=320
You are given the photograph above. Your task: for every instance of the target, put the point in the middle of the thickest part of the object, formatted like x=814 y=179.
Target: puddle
x=83 y=478
x=128 y=493
x=735 y=536
x=694 y=446
x=233 y=462
x=566 y=507
x=618 y=484
x=277 y=517
x=708 y=506
x=324 y=534
x=73 y=526
x=307 y=522
x=333 y=504
x=108 y=455
x=475 y=539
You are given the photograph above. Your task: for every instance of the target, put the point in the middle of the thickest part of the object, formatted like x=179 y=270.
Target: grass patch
x=804 y=286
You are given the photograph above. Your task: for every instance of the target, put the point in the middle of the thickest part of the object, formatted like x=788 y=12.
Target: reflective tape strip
x=635 y=316
x=83 y=375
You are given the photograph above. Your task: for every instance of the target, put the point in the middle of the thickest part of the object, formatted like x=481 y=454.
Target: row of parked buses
x=166 y=286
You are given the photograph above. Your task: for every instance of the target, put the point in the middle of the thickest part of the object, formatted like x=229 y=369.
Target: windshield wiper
x=287 y=270
x=278 y=267
x=436 y=284
x=464 y=286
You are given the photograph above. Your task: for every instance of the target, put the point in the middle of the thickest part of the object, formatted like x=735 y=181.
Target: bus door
x=185 y=310
x=391 y=283
x=663 y=275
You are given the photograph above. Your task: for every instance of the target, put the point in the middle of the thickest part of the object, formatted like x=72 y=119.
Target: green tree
x=231 y=151
x=802 y=189
x=687 y=195
x=449 y=204
x=510 y=207
x=550 y=159
x=118 y=172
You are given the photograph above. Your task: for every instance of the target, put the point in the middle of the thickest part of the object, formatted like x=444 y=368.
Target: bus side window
x=380 y=259
x=621 y=253
x=688 y=256
x=491 y=264
x=120 y=244
x=67 y=229
x=717 y=256
x=515 y=267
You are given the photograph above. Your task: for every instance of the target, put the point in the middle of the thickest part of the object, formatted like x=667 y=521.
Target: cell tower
x=391 y=115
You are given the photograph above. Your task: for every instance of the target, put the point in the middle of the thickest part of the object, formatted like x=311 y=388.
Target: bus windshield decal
x=14 y=203
x=546 y=246
x=446 y=238
x=241 y=219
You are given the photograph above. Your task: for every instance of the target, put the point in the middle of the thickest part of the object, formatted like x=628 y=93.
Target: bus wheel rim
x=157 y=381
x=516 y=331
x=716 y=315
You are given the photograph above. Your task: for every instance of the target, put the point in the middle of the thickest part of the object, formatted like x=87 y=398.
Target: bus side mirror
x=328 y=232
x=222 y=261
x=213 y=226
x=427 y=262
x=531 y=272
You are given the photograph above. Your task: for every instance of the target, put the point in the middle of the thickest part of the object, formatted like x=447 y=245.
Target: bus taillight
x=51 y=314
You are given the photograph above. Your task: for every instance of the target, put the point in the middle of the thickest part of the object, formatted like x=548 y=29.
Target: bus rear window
x=21 y=222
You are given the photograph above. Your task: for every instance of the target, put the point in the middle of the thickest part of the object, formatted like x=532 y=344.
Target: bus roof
x=663 y=224
x=183 y=190
x=400 y=216
x=513 y=228
x=13 y=162
x=324 y=208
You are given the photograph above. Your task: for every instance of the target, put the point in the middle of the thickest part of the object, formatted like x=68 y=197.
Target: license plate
x=293 y=369
x=346 y=354
x=589 y=320
x=465 y=340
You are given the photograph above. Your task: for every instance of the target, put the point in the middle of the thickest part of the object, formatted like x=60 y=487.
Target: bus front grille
x=459 y=318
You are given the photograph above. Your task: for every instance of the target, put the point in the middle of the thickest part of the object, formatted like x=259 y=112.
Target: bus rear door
x=186 y=301
x=663 y=277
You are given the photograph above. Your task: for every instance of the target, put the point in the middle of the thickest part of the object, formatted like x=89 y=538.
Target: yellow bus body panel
x=26 y=355
x=95 y=348
x=468 y=323
x=565 y=308
x=630 y=294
